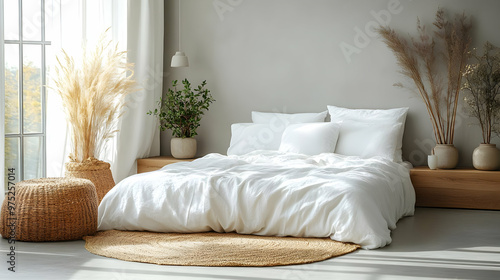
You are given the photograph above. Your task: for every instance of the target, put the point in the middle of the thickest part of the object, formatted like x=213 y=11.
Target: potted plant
x=482 y=82
x=423 y=60
x=93 y=93
x=180 y=111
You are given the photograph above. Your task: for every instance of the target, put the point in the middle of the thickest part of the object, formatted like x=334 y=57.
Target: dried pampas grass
x=435 y=64
x=93 y=93
x=482 y=82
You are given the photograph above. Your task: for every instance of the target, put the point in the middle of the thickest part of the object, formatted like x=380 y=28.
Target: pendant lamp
x=179 y=59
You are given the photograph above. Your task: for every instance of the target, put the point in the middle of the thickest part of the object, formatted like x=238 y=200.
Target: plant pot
x=486 y=157
x=183 y=147
x=98 y=172
x=447 y=156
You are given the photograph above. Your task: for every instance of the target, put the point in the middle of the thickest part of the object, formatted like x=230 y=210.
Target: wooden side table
x=456 y=188
x=155 y=163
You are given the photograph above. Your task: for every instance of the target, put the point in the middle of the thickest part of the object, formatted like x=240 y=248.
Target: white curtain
x=2 y=110
x=137 y=26
x=139 y=134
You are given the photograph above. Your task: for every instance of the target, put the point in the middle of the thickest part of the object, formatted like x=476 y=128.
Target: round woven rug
x=213 y=249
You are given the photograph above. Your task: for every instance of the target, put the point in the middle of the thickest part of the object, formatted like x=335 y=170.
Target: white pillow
x=280 y=119
x=387 y=118
x=249 y=137
x=368 y=139
x=310 y=138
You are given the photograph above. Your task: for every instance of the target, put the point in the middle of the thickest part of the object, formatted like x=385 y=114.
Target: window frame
x=22 y=135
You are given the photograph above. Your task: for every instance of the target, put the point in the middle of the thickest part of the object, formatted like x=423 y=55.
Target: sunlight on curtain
x=137 y=26
x=67 y=34
x=139 y=135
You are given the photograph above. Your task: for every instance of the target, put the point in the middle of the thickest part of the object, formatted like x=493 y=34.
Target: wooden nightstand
x=155 y=163
x=456 y=188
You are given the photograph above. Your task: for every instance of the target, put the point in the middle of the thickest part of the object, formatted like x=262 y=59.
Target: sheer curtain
x=139 y=134
x=137 y=26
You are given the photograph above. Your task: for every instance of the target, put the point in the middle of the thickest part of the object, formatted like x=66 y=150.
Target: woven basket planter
x=50 y=209
x=97 y=171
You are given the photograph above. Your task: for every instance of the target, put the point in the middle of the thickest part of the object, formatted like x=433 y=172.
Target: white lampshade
x=179 y=60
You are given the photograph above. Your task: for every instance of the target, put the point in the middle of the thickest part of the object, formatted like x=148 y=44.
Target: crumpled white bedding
x=267 y=193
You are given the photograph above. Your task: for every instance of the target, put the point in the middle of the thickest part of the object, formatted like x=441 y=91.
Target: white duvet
x=267 y=193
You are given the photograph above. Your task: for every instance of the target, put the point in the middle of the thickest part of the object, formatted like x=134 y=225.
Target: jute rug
x=213 y=249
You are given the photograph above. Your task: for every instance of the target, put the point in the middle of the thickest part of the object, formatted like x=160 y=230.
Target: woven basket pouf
x=97 y=171
x=50 y=209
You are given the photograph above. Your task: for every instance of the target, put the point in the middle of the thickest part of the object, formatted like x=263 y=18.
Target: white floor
x=433 y=244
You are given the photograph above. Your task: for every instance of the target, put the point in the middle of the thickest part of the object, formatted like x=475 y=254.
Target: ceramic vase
x=486 y=157
x=183 y=147
x=447 y=156
x=432 y=161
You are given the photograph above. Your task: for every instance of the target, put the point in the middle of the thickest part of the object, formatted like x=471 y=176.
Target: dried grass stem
x=421 y=61
x=93 y=94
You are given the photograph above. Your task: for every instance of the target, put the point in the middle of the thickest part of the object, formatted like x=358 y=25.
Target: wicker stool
x=50 y=209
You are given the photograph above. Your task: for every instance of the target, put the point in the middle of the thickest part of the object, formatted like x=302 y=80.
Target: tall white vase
x=447 y=156
x=183 y=147
x=486 y=157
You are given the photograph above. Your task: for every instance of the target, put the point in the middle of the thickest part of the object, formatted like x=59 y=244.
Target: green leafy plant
x=482 y=81
x=181 y=110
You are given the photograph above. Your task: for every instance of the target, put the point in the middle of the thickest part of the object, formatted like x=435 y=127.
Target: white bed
x=347 y=198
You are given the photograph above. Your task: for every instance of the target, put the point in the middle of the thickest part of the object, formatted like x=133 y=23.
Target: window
x=26 y=48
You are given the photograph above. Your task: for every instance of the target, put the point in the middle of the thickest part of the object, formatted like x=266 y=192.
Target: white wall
x=285 y=56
